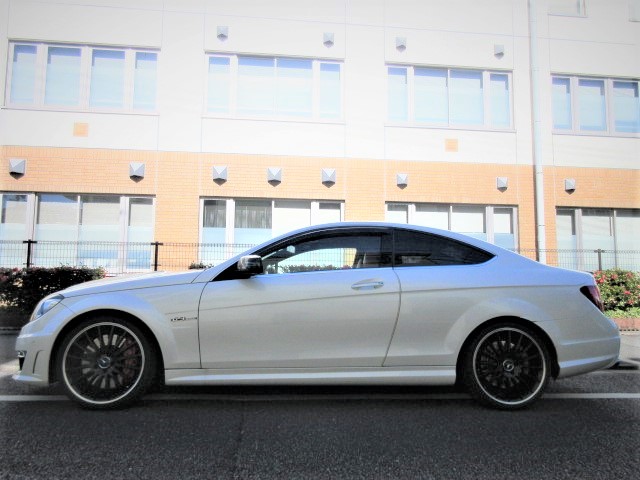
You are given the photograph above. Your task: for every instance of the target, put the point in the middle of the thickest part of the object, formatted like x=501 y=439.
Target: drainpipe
x=536 y=127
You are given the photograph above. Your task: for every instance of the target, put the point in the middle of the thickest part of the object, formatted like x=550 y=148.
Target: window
x=13 y=222
x=581 y=232
x=24 y=74
x=634 y=10
x=415 y=249
x=13 y=229
x=275 y=87
x=82 y=77
x=595 y=105
x=333 y=251
x=572 y=8
x=78 y=230
x=230 y=225
x=449 y=97
x=62 y=77
x=494 y=224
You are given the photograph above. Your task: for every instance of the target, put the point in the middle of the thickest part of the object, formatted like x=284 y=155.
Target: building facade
x=208 y=122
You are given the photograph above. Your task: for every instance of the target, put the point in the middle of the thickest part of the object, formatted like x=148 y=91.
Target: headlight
x=45 y=305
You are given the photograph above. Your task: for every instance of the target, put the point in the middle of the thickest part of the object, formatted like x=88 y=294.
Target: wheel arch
x=105 y=312
x=555 y=369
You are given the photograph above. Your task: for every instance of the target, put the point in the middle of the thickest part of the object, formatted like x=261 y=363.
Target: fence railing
x=116 y=258
x=119 y=258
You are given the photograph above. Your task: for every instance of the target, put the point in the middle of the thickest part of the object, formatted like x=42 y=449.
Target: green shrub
x=24 y=288
x=620 y=289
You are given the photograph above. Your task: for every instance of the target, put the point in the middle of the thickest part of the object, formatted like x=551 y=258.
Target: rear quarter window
x=423 y=249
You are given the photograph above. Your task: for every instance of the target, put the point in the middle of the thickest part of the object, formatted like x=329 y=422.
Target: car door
x=329 y=299
x=441 y=280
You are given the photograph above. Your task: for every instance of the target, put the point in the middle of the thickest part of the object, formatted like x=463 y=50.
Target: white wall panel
x=58 y=22
x=41 y=128
x=272 y=138
x=596 y=152
x=426 y=144
x=267 y=36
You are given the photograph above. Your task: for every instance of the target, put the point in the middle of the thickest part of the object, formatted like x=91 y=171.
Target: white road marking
x=308 y=398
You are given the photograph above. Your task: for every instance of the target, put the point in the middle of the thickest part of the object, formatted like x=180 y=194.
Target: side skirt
x=303 y=376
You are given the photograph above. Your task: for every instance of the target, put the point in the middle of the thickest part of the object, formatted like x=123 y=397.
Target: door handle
x=367 y=285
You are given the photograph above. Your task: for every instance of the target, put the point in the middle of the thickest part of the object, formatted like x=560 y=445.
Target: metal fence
x=121 y=258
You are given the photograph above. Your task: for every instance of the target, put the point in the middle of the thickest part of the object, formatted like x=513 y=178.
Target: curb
x=628 y=324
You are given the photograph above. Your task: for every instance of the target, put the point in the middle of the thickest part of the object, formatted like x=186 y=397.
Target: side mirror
x=250 y=265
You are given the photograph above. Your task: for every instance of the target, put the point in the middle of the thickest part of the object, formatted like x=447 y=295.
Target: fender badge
x=182 y=319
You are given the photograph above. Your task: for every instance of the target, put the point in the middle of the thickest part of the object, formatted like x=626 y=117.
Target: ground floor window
x=75 y=229
x=233 y=224
x=494 y=224
x=611 y=232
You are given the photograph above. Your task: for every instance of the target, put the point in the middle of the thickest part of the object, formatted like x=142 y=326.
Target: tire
x=105 y=363
x=506 y=366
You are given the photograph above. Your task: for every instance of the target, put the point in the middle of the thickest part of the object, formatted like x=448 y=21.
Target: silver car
x=348 y=303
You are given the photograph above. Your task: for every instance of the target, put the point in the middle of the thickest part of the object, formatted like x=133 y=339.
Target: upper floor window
x=82 y=77
x=595 y=105
x=449 y=97
x=255 y=86
x=570 y=8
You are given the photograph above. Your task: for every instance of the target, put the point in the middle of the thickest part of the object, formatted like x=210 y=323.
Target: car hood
x=131 y=282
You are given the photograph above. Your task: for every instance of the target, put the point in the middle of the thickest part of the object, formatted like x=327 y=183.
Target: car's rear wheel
x=106 y=363
x=506 y=366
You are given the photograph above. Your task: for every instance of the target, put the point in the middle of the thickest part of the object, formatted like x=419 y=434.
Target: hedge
x=619 y=289
x=24 y=288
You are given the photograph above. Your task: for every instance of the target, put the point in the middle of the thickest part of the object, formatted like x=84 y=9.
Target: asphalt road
x=584 y=428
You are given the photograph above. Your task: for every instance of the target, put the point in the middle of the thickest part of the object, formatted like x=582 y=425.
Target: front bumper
x=33 y=359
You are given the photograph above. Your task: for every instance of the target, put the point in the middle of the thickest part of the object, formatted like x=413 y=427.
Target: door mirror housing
x=250 y=265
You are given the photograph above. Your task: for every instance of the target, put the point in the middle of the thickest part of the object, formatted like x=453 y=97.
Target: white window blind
x=62 y=76
x=23 y=74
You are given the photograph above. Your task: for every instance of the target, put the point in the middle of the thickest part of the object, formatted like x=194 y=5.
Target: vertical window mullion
x=85 y=82
x=489 y=227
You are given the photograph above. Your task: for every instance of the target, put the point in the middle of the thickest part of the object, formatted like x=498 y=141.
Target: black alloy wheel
x=506 y=366
x=106 y=363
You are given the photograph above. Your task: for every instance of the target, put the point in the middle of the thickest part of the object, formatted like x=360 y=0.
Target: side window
x=335 y=251
x=414 y=249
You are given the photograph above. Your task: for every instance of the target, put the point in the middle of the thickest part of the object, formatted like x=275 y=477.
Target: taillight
x=593 y=294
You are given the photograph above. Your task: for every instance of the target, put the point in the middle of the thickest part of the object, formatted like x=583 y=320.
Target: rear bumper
x=587 y=356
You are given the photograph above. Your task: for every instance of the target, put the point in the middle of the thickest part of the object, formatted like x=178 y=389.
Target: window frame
x=580 y=13
x=84 y=93
x=580 y=249
x=487 y=122
x=489 y=211
x=230 y=203
x=124 y=207
x=610 y=121
x=232 y=100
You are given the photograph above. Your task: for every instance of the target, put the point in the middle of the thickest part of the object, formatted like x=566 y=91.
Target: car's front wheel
x=506 y=366
x=105 y=363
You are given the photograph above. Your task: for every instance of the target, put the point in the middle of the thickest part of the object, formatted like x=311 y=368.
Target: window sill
x=153 y=113
x=274 y=119
x=596 y=134
x=451 y=128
